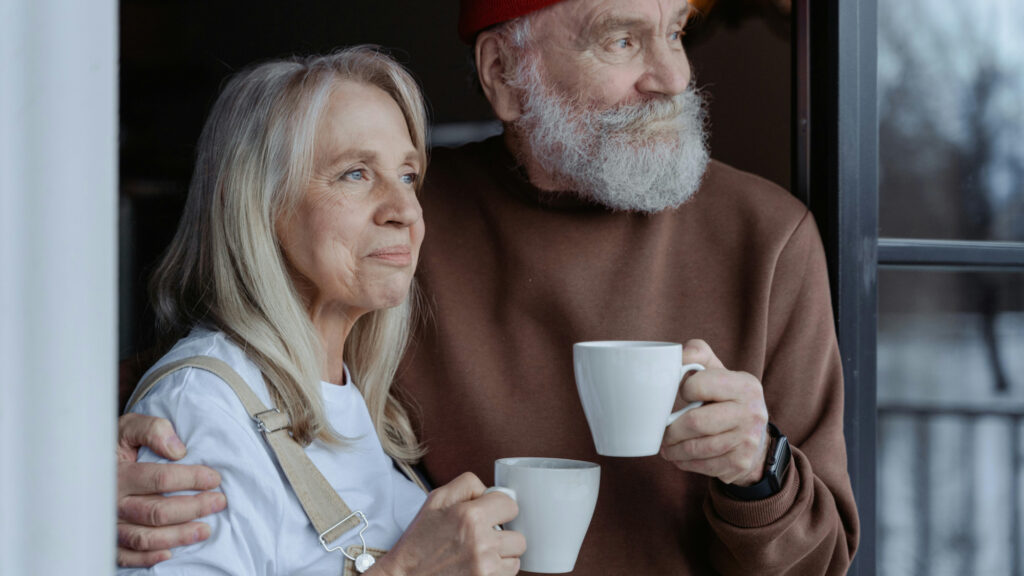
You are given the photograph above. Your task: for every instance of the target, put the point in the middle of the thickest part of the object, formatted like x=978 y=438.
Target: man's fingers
x=132 y=559
x=157 y=434
x=709 y=457
x=146 y=539
x=720 y=385
x=721 y=467
x=166 y=511
x=699 y=352
x=703 y=448
x=709 y=467
x=158 y=478
x=707 y=420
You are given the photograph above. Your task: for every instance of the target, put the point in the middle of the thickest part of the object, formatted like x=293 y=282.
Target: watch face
x=779 y=462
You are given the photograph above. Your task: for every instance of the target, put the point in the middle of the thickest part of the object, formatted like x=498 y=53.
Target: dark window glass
x=951 y=119
x=950 y=423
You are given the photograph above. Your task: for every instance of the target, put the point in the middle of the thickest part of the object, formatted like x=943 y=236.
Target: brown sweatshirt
x=513 y=277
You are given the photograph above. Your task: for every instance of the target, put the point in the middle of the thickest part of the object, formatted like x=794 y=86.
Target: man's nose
x=668 y=70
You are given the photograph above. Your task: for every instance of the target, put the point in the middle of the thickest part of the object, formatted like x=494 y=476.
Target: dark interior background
x=176 y=53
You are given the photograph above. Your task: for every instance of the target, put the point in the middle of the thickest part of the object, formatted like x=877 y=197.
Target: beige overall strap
x=326 y=510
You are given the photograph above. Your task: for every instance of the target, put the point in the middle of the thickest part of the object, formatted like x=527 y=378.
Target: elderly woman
x=293 y=265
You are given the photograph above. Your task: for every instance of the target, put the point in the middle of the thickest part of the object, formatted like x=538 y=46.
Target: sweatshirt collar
x=517 y=182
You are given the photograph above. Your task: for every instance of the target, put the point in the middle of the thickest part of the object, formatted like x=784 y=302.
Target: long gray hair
x=226 y=268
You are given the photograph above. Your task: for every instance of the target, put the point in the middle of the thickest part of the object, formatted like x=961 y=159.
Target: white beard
x=642 y=157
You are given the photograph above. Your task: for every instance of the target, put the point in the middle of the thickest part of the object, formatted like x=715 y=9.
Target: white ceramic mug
x=627 y=389
x=556 y=500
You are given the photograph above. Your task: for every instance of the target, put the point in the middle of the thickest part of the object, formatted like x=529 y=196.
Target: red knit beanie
x=476 y=15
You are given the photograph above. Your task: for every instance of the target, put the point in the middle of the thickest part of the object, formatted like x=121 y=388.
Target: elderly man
x=597 y=215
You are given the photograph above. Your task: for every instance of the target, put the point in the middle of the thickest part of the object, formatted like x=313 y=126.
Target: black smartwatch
x=775 y=468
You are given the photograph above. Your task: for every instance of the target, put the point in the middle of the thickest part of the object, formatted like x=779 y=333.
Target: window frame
x=835 y=168
x=836 y=137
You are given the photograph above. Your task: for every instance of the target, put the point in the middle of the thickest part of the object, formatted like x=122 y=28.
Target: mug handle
x=686 y=369
x=507 y=492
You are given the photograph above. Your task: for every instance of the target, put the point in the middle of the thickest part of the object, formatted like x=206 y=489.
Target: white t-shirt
x=264 y=530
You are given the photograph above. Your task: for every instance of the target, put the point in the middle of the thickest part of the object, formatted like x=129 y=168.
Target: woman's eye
x=622 y=43
x=675 y=36
x=357 y=174
x=409 y=178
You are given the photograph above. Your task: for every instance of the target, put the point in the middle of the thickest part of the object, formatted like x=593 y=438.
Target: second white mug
x=556 y=500
x=627 y=389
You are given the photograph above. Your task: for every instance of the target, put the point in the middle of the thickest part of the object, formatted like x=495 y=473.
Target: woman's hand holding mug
x=454 y=534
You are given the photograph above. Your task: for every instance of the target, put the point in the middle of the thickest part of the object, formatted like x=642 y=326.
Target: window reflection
x=951 y=423
x=951 y=119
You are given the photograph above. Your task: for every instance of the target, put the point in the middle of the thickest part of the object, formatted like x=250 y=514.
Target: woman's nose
x=401 y=206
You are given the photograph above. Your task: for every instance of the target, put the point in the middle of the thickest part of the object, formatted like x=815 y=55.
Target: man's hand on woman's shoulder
x=150 y=524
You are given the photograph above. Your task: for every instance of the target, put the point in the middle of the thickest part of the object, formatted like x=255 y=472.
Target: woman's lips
x=397 y=255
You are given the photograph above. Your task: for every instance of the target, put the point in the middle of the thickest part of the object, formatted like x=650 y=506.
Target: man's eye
x=621 y=44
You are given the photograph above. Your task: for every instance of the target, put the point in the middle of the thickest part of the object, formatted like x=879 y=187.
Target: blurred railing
x=971 y=414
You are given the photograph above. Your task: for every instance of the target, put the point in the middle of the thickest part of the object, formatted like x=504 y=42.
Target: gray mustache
x=642 y=114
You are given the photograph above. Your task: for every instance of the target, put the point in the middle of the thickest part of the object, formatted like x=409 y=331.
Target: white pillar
x=58 y=253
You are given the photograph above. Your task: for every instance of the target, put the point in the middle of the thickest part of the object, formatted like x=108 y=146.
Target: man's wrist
x=774 y=471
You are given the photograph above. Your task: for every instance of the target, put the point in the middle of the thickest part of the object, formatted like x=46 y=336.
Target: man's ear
x=490 y=66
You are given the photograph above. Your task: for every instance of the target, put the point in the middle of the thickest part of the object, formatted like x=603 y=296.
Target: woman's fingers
x=497 y=506
x=467 y=486
x=511 y=544
x=509 y=566
x=454 y=533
